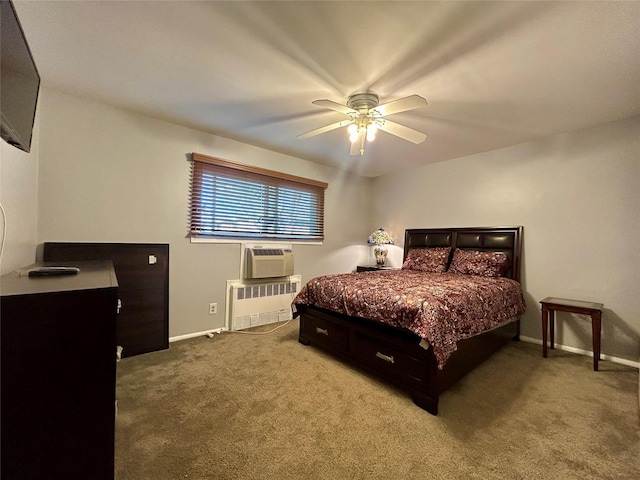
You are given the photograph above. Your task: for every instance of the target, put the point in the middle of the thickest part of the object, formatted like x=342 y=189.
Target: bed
x=456 y=300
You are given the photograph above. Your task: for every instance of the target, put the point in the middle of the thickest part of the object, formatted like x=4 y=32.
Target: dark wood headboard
x=489 y=239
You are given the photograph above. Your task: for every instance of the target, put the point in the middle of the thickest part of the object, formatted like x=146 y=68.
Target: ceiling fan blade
x=324 y=129
x=338 y=107
x=358 y=146
x=401 y=105
x=401 y=131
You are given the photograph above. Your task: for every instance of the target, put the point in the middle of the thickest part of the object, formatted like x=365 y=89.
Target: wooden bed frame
x=396 y=355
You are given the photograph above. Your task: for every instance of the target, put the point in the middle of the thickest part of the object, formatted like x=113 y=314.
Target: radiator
x=253 y=304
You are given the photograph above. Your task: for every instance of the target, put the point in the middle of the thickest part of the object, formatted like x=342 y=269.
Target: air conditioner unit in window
x=268 y=262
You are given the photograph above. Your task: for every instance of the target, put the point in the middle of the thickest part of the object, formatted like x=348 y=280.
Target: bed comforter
x=442 y=308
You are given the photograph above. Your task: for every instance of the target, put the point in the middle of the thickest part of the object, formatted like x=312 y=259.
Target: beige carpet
x=266 y=407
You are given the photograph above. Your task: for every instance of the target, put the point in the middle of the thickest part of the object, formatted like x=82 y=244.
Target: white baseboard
x=208 y=333
x=537 y=341
x=588 y=353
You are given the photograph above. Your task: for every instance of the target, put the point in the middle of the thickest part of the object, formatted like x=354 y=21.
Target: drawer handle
x=322 y=331
x=386 y=358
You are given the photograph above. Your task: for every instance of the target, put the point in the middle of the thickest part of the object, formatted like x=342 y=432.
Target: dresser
x=58 y=374
x=143 y=280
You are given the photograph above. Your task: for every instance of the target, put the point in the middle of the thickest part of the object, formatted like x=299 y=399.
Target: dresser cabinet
x=58 y=374
x=143 y=278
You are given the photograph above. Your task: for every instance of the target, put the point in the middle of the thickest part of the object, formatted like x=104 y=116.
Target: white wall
x=19 y=197
x=577 y=196
x=110 y=175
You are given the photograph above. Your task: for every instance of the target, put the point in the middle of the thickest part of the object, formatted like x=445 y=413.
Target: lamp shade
x=381 y=237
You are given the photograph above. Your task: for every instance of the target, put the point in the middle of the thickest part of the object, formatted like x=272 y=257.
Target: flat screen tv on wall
x=19 y=81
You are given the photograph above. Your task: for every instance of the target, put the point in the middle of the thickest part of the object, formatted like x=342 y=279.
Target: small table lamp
x=381 y=238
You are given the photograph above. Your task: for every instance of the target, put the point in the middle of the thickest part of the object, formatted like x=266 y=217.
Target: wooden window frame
x=259 y=204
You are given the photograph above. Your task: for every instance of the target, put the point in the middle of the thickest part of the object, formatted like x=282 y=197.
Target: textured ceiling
x=493 y=73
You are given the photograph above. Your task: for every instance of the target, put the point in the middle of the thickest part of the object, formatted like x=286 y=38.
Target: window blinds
x=231 y=200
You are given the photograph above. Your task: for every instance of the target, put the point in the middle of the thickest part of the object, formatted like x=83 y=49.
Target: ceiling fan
x=366 y=117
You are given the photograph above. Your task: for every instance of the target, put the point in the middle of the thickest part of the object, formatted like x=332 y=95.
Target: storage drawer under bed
x=324 y=332
x=383 y=356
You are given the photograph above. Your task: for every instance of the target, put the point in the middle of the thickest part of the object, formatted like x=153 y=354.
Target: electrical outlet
x=213 y=308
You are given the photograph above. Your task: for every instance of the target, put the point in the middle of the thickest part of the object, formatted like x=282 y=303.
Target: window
x=231 y=200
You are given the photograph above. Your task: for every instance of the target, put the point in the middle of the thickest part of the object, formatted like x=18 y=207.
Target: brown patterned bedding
x=442 y=308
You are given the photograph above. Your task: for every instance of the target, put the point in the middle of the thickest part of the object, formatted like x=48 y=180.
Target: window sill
x=253 y=241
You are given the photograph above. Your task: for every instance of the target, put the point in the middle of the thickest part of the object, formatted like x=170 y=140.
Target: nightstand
x=372 y=268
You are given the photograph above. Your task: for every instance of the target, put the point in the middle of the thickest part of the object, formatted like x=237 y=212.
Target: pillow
x=473 y=262
x=427 y=259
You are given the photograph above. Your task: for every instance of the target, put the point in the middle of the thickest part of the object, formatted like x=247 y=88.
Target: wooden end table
x=373 y=268
x=594 y=310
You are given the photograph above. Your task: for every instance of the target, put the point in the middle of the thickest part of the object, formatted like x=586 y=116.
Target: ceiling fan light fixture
x=371 y=132
x=363 y=101
x=366 y=118
x=371 y=135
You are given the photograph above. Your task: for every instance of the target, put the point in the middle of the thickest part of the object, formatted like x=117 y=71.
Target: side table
x=372 y=268
x=594 y=310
